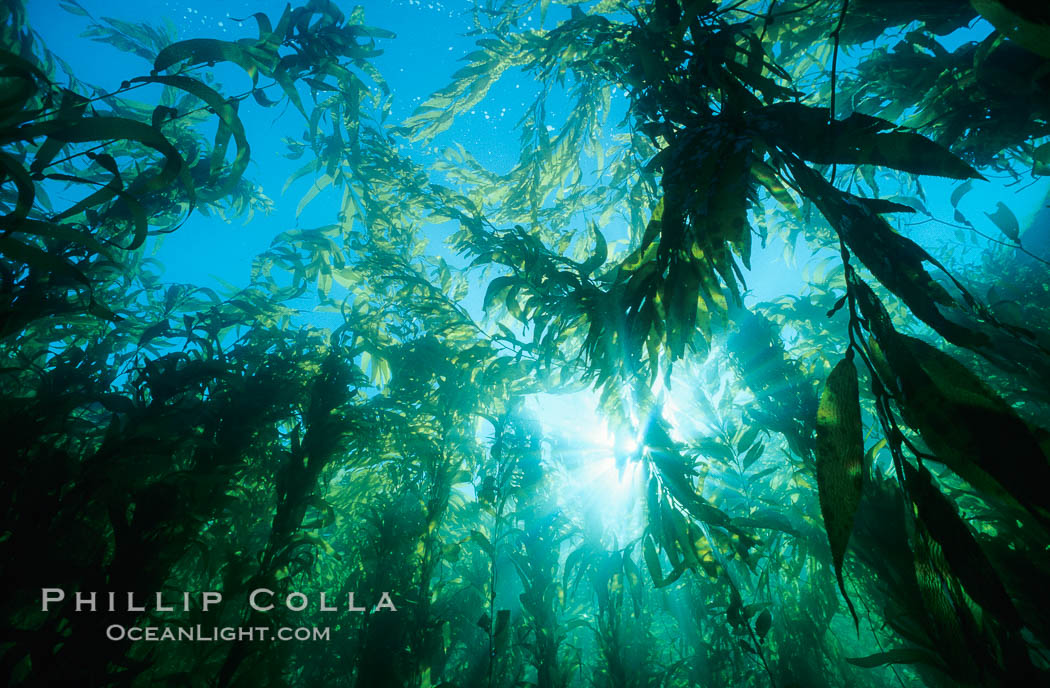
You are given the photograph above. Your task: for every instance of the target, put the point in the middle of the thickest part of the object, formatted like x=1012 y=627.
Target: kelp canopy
x=841 y=482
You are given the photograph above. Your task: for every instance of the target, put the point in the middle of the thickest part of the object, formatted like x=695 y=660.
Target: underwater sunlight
x=602 y=463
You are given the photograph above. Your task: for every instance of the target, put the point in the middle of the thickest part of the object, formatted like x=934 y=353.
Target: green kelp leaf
x=1041 y=160
x=64 y=233
x=972 y=426
x=949 y=615
x=261 y=21
x=468 y=88
x=319 y=185
x=498 y=290
x=840 y=457
x=41 y=260
x=126 y=206
x=883 y=205
x=71 y=107
x=768 y=177
x=960 y=191
x=966 y=425
x=18 y=91
x=702 y=223
x=748 y=438
x=753 y=455
x=209 y=50
x=372 y=31
x=501 y=631
x=672 y=577
x=897 y=261
x=601 y=253
x=284 y=75
x=964 y=556
x=479 y=537
x=857 y=140
x=914 y=153
x=262 y=99
x=160 y=329
x=762 y=624
x=869 y=20
x=114 y=129
x=1006 y=221
x=768 y=519
x=21 y=79
x=902 y=655
x=26 y=191
x=502 y=619
x=1030 y=35
x=229 y=124
x=101 y=195
x=652 y=561
x=734 y=612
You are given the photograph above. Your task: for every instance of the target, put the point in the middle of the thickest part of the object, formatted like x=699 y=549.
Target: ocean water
x=534 y=344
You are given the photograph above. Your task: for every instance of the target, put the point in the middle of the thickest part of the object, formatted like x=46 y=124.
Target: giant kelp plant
x=844 y=484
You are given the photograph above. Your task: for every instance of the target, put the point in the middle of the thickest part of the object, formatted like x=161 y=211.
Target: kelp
x=840 y=461
x=879 y=429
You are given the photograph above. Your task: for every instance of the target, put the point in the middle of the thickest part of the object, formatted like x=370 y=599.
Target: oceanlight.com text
x=198 y=633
